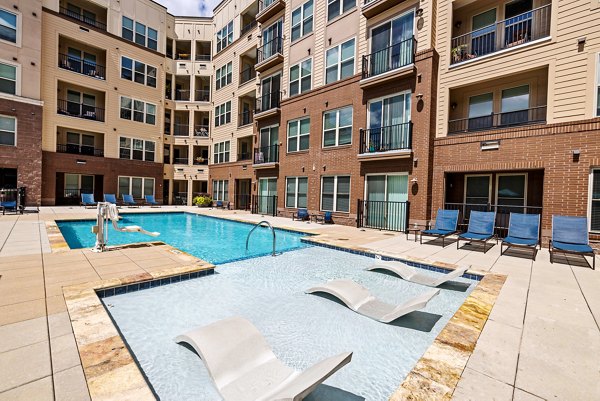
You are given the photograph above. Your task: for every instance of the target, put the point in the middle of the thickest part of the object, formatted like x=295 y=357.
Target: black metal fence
x=534 y=115
x=79 y=150
x=202 y=95
x=181 y=129
x=182 y=94
x=266 y=205
x=80 y=110
x=266 y=154
x=245 y=118
x=81 y=66
x=247 y=74
x=248 y=27
x=395 y=56
x=385 y=139
x=383 y=215
x=268 y=101
x=82 y=18
x=242 y=201
x=269 y=49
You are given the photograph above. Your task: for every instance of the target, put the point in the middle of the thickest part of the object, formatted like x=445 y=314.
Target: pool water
x=302 y=329
x=211 y=239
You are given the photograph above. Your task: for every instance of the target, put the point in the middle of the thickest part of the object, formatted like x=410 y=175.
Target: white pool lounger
x=360 y=300
x=243 y=367
x=412 y=274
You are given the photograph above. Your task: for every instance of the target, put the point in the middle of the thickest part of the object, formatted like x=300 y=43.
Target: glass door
x=515 y=106
x=268 y=144
x=483 y=35
x=478 y=191
x=388 y=124
x=267 y=192
x=481 y=109
x=270 y=88
x=517 y=24
x=391 y=44
x=386 y=197
x=271 y=39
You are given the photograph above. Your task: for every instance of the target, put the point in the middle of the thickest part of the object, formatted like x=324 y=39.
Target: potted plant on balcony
x=459 y=53
x=203 y=201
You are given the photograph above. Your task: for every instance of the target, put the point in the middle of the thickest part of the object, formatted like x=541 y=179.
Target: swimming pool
x=302 y=329
x=211 y=239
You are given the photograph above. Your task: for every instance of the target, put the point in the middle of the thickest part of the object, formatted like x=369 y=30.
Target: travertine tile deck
x=541 y=341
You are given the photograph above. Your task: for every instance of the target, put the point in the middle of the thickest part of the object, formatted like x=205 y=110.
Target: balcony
x=266 y=157
x=181 y=160
x=268 y=104
x=372 y=8
x=268 y=8
x=245 y=118
x=83 y=16
x=248 y=74
x=181 y=129
x=519 y=30
x=182 y=95
x=269 y=54
x=534 y=115
x=79 y=150
x=202 y=95
x=390 y=63
x=248 y=27
x=390 y=142
x=201 y=131
x=80 y=110
x=80 y=66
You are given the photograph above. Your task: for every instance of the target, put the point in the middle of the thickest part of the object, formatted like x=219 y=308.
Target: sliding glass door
x=386 y=197
x=389 y=123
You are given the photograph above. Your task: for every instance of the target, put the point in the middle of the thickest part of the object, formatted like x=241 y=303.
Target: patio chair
x=570 y=235
x=242 y=365
x=219 y=205
x=87 y=200
x=150 y=201
x=110 y=198
x=445 y=225
x=326 y=218
x=523 y=232
x=480 y=229
x=9 y=205
x=301 y=214
x=413 y=275
x=129 y=201
x=360 y=300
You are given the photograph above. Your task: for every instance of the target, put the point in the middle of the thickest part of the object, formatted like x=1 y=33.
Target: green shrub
x=202 y=201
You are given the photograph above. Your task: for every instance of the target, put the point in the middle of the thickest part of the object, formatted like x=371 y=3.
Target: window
x=221 y=152
x=223 y=114
x=8 y=78
x=221 y=190
x=511 y=190
x=223 y=75
x=127 y=31
x=8 y=131
x=335 y=194
x=515 y=105
x=337 y=127
x=140 y=34
x=481 y=108
x=143 y=35
x=137 y=71
x=296 y=190
x=300 y=77
x=225 y=36
x=298 y=135
x=598 y=87
x=595 y=200
x=302 y=20
x=8 y=26
x=338 y=7
x=138 y=187
x=339 y=62
x=141 y=112
x=136 y=149
x=78 y=183
x=152 y=38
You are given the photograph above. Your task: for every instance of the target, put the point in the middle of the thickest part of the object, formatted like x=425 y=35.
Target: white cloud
x=192 y=8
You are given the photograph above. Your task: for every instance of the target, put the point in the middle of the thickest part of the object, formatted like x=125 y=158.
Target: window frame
x=220 y=191
x=526 y=182
x=220 y=152
x=335 y=193
x=16 y=120
x=300 y=77
x=296 y=193
x=341 y=11
x=302 y=21
x=131 y=148
x=224 y=73
x=337 y=127
x=17 y=28
x=133 y=110
x=132 y=29
x=221 y=111
x=130 y=178
x=596 y=94
x=340 y=61
x=297 y=121
x=133 y=71
x=134 y=33
x=226 y=36
x=17 y=80
x=593 y=170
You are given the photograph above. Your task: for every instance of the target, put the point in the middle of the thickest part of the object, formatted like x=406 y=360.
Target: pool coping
x=112 y=372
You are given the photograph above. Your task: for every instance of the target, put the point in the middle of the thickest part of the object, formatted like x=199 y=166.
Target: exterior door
x=388 y=128
x=270 y=88
x=515 y=106
x=518 y=18
x=483 y=36
x=271 y=39
x=477 y=193
x=386 y=197
x=268 y=144
x=267 y=190
x=391 y=45
x=481 y=108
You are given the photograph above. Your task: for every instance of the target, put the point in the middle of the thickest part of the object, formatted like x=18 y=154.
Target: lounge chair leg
x=443 y=242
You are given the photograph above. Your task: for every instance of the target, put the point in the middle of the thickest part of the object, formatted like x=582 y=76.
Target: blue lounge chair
x=87 y=200
x=129 y=201
x=445 y=225
x=480 y=229
x=327 y=218
x=570 y=235
x=110 y=198
x=9 y=205
x=151 y=201
x=301 y=214
x=523 y=232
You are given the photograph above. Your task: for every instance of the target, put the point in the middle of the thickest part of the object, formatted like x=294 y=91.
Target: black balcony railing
x=80 y=110
x=385 y=139
x=244 y=156
x=247 y=74
x=242 y=201
x=202 y=95
x=383 y=215
x=266 y=154
x=248 y=27
x=264 y=4
x=269 y=49
x=245 y=118
x=182 y=94
x=393 y=57
x=523 y=28
x=79 y=149
x=266 y=205
x=201 y=131
x=80 y=66
x=202 y=57
x=268 y=101
x=181 y=129
x=181 y=160
x=535 y=115
x=502 y=214
x=82 y=18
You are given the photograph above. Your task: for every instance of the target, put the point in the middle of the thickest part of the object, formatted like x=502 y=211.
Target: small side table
x=413 y=230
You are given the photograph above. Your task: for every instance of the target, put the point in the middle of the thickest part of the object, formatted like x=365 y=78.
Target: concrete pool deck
x=541 y=341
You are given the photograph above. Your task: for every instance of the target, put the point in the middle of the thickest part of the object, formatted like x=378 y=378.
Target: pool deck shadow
x=330 y=393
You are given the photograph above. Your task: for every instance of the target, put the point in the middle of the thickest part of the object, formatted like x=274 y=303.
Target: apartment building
x=20 y=97
x=103 y=88
x=517 y=122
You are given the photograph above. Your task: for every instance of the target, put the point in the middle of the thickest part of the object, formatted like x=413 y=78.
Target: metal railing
x=502 y=214
x=181 y=129
x=393 y=57
x=247 y=74
x=82 y=18
x=383 y=215
x=266 y=205
x=268 y=101
x=72 y=196
x=385 y=139
x=263 y=223
x=248 y=27
x=80 y=110
x=534 y=115
x=81 y=66
x=181 y=160
x=269 y=49
x=242 y=201
x=79 y=149
x=200 y=161
x=264 y=4
x=201 y=131
x=182 y=94
x=244 y=156
x=266 y=154
x=523 y=28
x=245 y=118
x=202 y=95
x=202 y=57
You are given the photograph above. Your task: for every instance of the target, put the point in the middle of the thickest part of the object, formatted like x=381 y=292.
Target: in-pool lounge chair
x=150 y=201
x=570 y=235
x=361 y=301
x=110 y=198
x=480 y=229
x=301 y=214
x=523 y=232
x=445 y=225
x=87 y=200
x=412 y=274
x=129 y=201
x=243 y=367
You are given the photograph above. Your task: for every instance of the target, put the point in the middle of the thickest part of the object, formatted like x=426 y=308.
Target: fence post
x=407 y=216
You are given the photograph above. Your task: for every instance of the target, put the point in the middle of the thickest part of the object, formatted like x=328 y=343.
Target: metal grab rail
x=260 y=224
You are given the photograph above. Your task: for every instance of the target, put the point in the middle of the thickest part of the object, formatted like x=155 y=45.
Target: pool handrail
x=260 y=224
